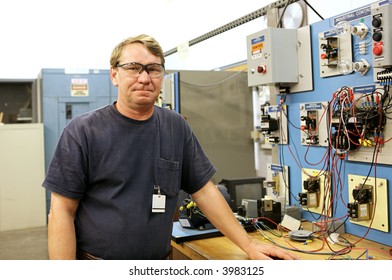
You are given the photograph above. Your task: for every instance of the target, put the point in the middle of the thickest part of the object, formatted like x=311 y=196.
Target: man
x=117 y=171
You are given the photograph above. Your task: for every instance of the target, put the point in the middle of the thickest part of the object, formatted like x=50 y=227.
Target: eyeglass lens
x=136 y=69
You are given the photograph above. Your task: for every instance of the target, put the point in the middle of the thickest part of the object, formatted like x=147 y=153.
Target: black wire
x=281 y=16
x=306 y=2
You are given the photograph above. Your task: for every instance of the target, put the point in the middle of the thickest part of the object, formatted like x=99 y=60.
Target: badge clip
x=158 y=201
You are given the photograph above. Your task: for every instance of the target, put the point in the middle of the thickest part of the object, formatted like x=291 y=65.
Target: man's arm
x=61 y=229
x=214 y=206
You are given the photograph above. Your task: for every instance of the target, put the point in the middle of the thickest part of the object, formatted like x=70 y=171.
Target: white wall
x=38 y=34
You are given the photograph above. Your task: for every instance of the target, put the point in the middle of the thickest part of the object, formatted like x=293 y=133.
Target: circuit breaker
x=272 y=57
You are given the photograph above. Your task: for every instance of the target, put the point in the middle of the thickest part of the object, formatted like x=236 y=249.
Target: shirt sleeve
x=66 y=173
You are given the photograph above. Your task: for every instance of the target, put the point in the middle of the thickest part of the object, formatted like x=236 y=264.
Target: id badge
x=158 y=201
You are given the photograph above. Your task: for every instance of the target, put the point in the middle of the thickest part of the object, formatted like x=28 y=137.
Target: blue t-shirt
x=112 y=163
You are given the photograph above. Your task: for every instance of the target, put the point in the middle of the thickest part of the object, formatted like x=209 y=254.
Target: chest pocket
x=169 y=177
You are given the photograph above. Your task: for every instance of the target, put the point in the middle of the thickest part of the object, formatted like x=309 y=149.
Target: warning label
x=79 y=87
x=257 y=45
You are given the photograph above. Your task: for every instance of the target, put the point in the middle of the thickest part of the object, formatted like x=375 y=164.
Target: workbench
x=221 y=248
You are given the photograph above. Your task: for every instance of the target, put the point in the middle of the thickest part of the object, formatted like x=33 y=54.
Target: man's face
x=136 y=92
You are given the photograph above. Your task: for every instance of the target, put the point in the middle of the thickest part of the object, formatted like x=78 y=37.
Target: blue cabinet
x=66 y=94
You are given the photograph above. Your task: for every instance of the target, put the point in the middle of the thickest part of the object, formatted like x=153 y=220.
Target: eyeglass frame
x=144 y=68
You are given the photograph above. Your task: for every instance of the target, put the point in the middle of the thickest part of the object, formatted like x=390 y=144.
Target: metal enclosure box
x=272 y=57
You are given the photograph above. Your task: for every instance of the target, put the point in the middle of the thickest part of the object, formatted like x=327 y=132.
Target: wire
x=281 y=16
x=306 y=2
x=236 y=73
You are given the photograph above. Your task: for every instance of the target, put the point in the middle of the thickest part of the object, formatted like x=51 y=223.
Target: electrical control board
x=340 y=131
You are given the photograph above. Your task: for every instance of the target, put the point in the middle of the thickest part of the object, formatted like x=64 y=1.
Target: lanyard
x=156 y=172
x=158 y=199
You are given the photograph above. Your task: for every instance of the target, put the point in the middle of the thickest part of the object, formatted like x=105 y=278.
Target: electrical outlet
x=378 y=210
x=317 y=202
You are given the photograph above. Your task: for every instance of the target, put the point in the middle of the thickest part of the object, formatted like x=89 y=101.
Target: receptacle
x=375 y=210
x=318 y=201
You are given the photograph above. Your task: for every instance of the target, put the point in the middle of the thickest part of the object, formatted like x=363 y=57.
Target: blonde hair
x=149 y=42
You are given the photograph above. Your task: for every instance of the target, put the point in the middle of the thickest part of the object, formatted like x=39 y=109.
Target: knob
x=323 y=56
x=376 y=22
x=377 y=36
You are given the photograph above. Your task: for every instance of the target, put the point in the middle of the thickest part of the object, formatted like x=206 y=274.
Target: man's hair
x=150 y=43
